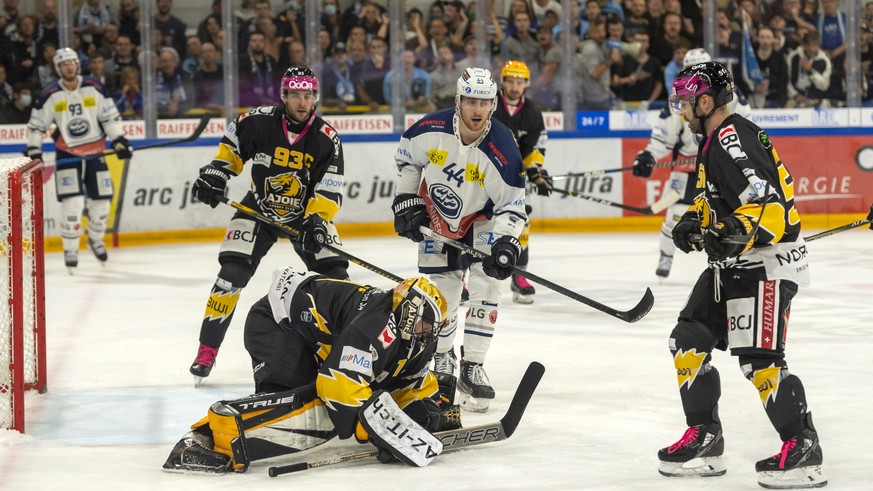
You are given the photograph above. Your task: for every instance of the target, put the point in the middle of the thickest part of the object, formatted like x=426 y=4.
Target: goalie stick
x=452 y=439
x=600 y=172
x=201 y=125
x=636 y=313
x=644 y=211
x=294 y=232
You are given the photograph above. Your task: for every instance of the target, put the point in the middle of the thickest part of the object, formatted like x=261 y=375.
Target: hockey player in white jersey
x=671 y=137
x=461 y=174
x=84 y=116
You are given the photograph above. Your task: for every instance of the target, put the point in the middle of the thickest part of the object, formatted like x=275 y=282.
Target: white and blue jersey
x=462 y=184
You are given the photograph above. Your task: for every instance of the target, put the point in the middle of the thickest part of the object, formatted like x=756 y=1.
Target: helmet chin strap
x=702 y=118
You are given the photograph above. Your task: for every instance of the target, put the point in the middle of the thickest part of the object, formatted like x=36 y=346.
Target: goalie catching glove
x=395 y=433
x=211 y=185
x=539 y=177
x=735 y=225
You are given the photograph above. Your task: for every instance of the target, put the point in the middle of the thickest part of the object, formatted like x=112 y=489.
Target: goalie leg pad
x=391 y=429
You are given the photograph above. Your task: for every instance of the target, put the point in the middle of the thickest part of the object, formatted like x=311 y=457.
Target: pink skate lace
x=206 y=355
x=689 y=436
x=783 y=454
x=521 y=281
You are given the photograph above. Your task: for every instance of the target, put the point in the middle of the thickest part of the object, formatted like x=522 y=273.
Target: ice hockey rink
x=121 y=338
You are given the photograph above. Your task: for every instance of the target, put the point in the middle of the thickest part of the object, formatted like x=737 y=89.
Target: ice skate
x=522 y=290
x=664 y=265
x=99 y=250
x=474 y=389
x=445 y=362
x=71 y=260
x=697 y=454
x=194 y=454
x=203 y=363
x=797 y=465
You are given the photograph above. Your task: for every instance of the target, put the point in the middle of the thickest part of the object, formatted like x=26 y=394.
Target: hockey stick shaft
x=850 y=226
x=294 y=232
x=636 y=313
x=201 y=125
x=643 y=211
x=600 y=172
x=452 y=439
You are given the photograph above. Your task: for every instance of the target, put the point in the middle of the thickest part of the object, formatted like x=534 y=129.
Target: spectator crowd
x=625 y=54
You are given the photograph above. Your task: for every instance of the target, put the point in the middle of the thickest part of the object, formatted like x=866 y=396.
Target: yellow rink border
x=811 y=223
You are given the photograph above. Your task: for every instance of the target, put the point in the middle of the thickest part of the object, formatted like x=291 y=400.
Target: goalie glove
x=539 y=177
x=394 y=433
x=410 y=213
x=735 y=225
x=211 y=185
x=504 y=255
x=122 y=148
x=313 y=234
x=644 y=164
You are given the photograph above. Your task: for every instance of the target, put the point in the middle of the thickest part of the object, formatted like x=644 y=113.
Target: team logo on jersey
x=386 y=337
x=437 y=157
x=78 y=127
x=447 y=202
x=474 y=175
x=284 y=194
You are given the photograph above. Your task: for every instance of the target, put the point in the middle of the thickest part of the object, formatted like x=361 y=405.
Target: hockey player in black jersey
x=330 y=358
x=744 y=218
x=526 y=123
x=296 y=179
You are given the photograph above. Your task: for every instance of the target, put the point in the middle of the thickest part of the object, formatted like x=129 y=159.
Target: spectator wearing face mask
x=19 y=111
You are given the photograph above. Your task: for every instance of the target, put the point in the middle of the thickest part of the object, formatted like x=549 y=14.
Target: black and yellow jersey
x=528 y=128
x=296 y=168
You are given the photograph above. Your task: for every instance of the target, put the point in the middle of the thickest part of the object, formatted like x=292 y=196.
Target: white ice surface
x=120 y=341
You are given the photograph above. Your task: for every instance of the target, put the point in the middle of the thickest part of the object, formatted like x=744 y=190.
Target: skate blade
x=523 y=299
x=800 y=478
x=71 y=271
x=198 y=381
x=698 y=467
x=470 y=403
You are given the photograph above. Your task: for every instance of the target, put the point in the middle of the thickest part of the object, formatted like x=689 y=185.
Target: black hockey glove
x=35 y=153
x=425 y=412
x=409 y=214
x=122 y=148
x=644 y=164
x=211 y=185
x=313 y=234
x=504 y=254
x=735 y=225
x=689 y=224
x=541 y=179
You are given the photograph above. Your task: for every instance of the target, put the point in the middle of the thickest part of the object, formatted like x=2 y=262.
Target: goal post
x=22 y=285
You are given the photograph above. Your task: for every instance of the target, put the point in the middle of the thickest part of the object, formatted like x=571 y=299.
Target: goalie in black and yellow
x=330 y=358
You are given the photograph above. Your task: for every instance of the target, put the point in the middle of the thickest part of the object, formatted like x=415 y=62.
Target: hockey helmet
x=419 y=310
x=695 y=56
x=65 y=54
x=476 y=83
x=705 y=78
x=517 y=69
x=300 y=78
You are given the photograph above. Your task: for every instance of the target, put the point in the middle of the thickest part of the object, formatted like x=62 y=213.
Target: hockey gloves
x=644 y=164
x=394 y=433
x=35 y=153
x=541 y=179
x=723 y=239
x=504 y=254
x=409 y=214
x=688 y=225
x=313 y=234
x=122 y=148
x=428 y=414
x=211 y=185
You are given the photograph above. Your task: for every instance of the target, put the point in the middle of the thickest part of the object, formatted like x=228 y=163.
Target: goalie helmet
x=705 y=78
x=695 y=56
x=420 y=311
x=65 y=54
x=300 y=78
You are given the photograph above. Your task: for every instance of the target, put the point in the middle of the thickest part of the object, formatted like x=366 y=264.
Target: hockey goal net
x=22 y=285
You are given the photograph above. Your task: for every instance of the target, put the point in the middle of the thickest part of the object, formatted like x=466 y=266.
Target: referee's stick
x=294 y=232
x=600 y=172
x=201 y=125
x=636 y=313
x=644 y=211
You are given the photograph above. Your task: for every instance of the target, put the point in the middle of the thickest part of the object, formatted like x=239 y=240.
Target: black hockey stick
x=850 y=226
x=643 y=211
x=201 y=125
x=636 y=313
x=452 y=439
x=294 y=232
x=600 y=172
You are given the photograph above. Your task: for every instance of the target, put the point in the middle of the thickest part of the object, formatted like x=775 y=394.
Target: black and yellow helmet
x=419 y=310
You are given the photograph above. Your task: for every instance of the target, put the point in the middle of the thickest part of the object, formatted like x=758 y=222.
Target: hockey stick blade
x=201 y=125
x=452 y=439
x=636 y=313
x=643 y=211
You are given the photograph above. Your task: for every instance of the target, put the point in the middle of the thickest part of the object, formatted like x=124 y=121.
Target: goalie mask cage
x=22 y=283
